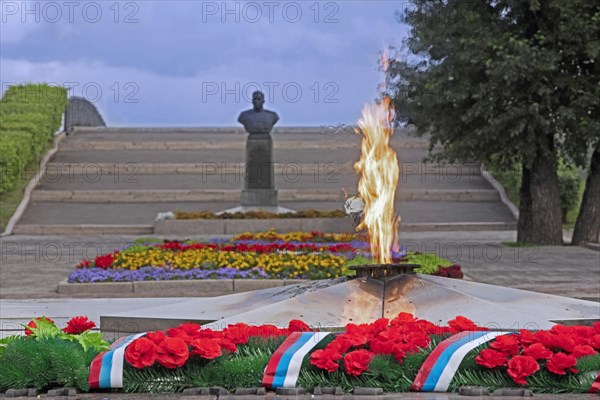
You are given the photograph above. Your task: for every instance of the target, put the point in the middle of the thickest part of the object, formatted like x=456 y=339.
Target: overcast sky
x=196 y=63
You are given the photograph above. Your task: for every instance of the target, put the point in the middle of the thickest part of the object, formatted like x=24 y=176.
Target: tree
x=578 y=35
x=484 y=79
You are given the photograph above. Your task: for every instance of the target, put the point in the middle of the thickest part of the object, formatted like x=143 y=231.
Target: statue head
x=258 y=99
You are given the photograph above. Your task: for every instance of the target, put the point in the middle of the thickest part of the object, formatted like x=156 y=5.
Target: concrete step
x=84 y=230
x=163 y=196
x=55 y=213
x=291 y=179
x=288 y=155
x=94 y=170
x=225 y=136
x=96 y=230
x=114 y=145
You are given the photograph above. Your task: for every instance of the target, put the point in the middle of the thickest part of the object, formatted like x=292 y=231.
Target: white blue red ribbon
x=284 y=366
x=439 y=368
x=106 y=371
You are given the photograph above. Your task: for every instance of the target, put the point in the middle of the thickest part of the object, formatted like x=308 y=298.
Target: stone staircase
x=115 y=180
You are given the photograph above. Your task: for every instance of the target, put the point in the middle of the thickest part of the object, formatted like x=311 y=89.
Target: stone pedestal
x=259 y=180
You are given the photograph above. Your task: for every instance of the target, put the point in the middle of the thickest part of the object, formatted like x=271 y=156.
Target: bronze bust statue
x=258 y=120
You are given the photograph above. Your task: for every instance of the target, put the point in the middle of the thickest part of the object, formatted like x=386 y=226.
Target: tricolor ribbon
x=106 y=370
x=284 y=366
x=439 y=368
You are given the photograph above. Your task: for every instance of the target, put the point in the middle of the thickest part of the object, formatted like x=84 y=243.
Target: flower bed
x=259 y=214
x=396 y=355
x=295 y=255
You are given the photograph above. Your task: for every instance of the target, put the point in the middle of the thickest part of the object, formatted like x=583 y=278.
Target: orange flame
x=378 y=167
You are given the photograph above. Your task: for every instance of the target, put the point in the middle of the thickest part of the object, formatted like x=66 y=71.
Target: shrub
x=15 y=154
x=39 y=140
x=29 y=116
x=569 y=181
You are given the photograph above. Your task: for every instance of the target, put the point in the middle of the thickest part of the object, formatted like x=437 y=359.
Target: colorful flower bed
x=295 y=255
x=260 y=214
x=397 y=355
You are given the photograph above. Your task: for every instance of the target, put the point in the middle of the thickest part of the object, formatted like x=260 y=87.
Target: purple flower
x=161 y=274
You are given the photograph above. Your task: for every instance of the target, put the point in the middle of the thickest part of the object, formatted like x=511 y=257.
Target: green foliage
x=429 y=262
x=5 y=342
x=471 y=374
x=569 y=180
x=88 y=340
x=589 y=364
x=144 y=240
x=44 y=363
x=159 y=379
x=29 y=116
x=15 y=154
x=245 y=368
x=490 y=79
x=506 y=82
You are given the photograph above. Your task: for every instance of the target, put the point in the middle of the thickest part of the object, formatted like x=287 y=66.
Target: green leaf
x=44 y=329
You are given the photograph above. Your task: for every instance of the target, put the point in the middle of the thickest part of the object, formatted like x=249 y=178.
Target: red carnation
x=508 y=344
x=419 y=339
x=520 y=367
x=32 y=324
x=156 y=337
x=460 y=324
x=237 y=333
x=379 y=346
x=208 y=334
x=189 y=328
x=583 y=331
x=355 y=339
x=594 y=341
x=207 y=348
x=398 y=352
x=227 y=345
x=538 y=351
x=559 y=362
x=325 y=359
x=559 y=329
x=565 y=342
x=403 y=318
x=296 y=325
x=339 y=344
x=172 y=352
x=141 y=353
x=408 y=347
x=491 y=358
x=527 y=338
x=583 y=350
x=390 y=335
x=547 y=339
x=379 y=325
x=267 y=331
x=181 y=334
x=77 y=325
x=356 y=362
